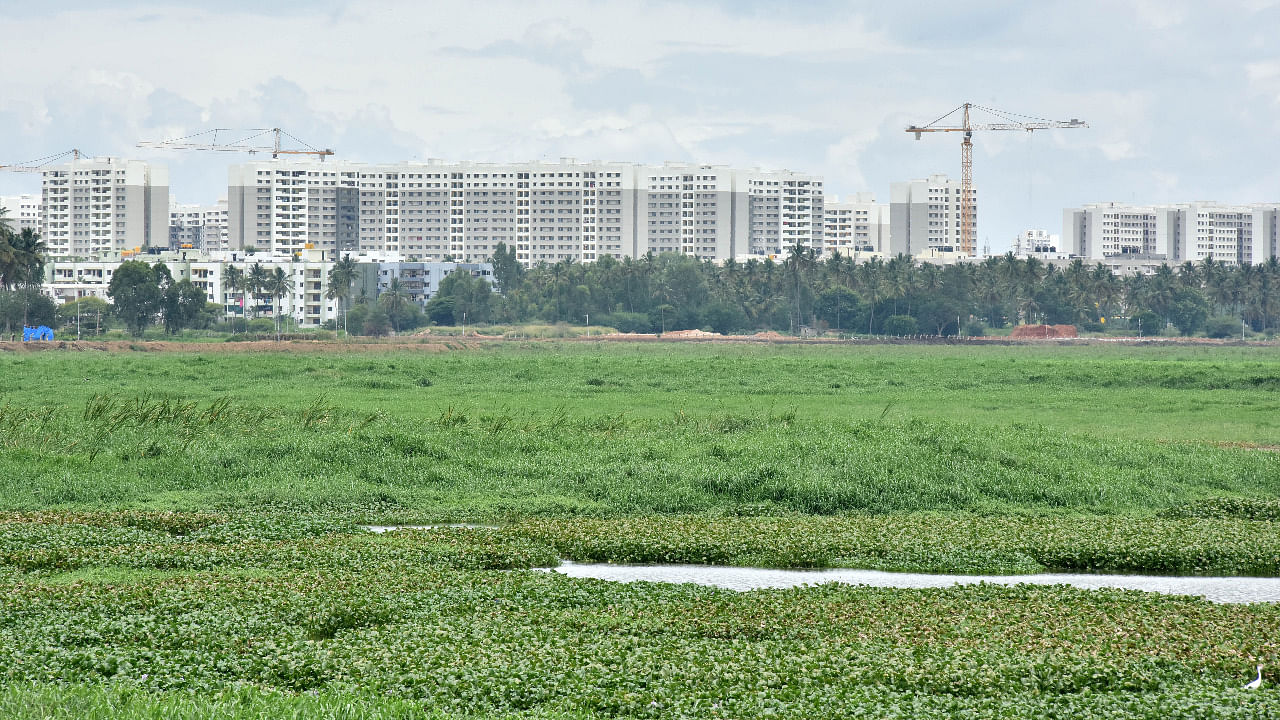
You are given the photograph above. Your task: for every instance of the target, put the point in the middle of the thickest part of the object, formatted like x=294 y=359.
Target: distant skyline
x=1183 y=98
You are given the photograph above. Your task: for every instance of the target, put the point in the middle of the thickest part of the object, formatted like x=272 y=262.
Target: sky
x=1182 y=98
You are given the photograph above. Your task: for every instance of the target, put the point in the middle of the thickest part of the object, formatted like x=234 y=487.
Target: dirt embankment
x=1039 y=332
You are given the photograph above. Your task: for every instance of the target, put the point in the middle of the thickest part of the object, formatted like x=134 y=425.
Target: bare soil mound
x=1032 y=332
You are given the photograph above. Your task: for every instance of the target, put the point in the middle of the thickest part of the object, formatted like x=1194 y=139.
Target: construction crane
x=40 y=164
x=1008 y=121
x=239 y=142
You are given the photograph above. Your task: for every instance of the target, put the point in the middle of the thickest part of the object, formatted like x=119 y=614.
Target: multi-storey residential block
x=95 y=205
x=924 y=216
x=22 y=211
x=1179 y=233
x=307 y=305
x=198 y=227
x=856 y=226
x=1039 y=244
x=420 y=280
x=548 y=212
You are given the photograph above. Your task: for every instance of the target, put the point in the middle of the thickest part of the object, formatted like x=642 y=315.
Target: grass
x=178 y=532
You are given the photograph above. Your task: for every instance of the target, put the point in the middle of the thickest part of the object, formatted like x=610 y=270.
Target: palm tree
x=341 y=276
x=255 y=284
x=8 y=254
x=278 y=285
x=394 y=298
x=232 y=280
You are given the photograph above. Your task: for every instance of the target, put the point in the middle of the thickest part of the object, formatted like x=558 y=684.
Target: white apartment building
x=96 y=205
x=924 y=216
x=1039 y=244
x=856 y=226
x=198 y=227
x=547 y=211
x=420 y=280
x=307 y=304
x=1231 y=234
x=23 y=212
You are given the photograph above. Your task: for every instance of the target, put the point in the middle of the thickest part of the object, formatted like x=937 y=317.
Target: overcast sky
x=1183 y=98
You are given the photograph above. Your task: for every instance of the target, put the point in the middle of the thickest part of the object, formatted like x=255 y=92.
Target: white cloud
x=822 y=89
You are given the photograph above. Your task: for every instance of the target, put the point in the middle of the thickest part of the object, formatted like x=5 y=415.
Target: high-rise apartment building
x=95 y=205
x=857 y=225
x=548 y=212
x=198 y=227
x=1231 y=234
x=924 y=216
x=22 y=211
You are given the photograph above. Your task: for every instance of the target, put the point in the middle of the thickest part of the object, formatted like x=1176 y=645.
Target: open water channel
x=1214 y=589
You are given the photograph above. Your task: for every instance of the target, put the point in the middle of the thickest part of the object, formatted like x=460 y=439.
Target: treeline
x=21 y=273
x=897 y=296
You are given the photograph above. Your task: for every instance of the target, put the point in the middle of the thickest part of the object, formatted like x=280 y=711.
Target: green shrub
x=899 y=325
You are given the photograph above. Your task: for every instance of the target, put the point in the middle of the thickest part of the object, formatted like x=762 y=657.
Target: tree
x=394 y=300
x=507 y=270
x=232 y=280
x=278 y=285
x=376 y=322
x=26 y=306
x=900 y=325
x=341 y=277
x=135 y=295
x=83 y=315
x=182 y=305
x=839 y=307
x=256 y=283
x=1188 y=311
x=440 y=309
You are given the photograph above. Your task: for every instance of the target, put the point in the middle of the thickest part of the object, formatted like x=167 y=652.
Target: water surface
x=1215 y=589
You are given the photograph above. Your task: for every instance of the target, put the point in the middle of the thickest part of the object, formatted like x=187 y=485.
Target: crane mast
x=1010 y=121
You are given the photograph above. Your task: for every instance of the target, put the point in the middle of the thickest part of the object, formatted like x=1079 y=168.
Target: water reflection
x=1215 y=589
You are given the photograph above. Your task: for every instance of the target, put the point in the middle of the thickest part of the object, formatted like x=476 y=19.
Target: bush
x=628 y=322
x=1146 y=323
x=262 y=325
x=1222 y=327
x=975 y=328
x=1092 y=326
x=900 y=325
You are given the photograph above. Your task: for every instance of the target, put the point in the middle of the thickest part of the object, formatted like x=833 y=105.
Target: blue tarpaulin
x=44 y=332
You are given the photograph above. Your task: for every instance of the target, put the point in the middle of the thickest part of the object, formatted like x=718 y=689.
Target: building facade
x=1039 y=244
x=198 y=227
x=548 y=212
x=924 y=217
x=23 y=211
x=307 y=304
x=1187 y=232
x=97 y=205
x=857 y=226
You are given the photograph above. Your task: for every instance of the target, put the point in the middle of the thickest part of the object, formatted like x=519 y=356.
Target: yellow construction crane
x=1008 y=121
x=239 y=142
x=40 y=164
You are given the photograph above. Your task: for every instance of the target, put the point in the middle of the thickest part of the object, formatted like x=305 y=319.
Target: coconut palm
x=278 y=285
x=395 y=299
x=232 y=280
x=255 y=284
x=341 y=277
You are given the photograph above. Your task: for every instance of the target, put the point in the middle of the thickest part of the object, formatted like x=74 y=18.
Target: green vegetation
x=196 y=553
x=289 y=614
x=901 y=296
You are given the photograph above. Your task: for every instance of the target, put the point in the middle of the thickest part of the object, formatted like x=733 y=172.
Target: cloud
x=1169 y=88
